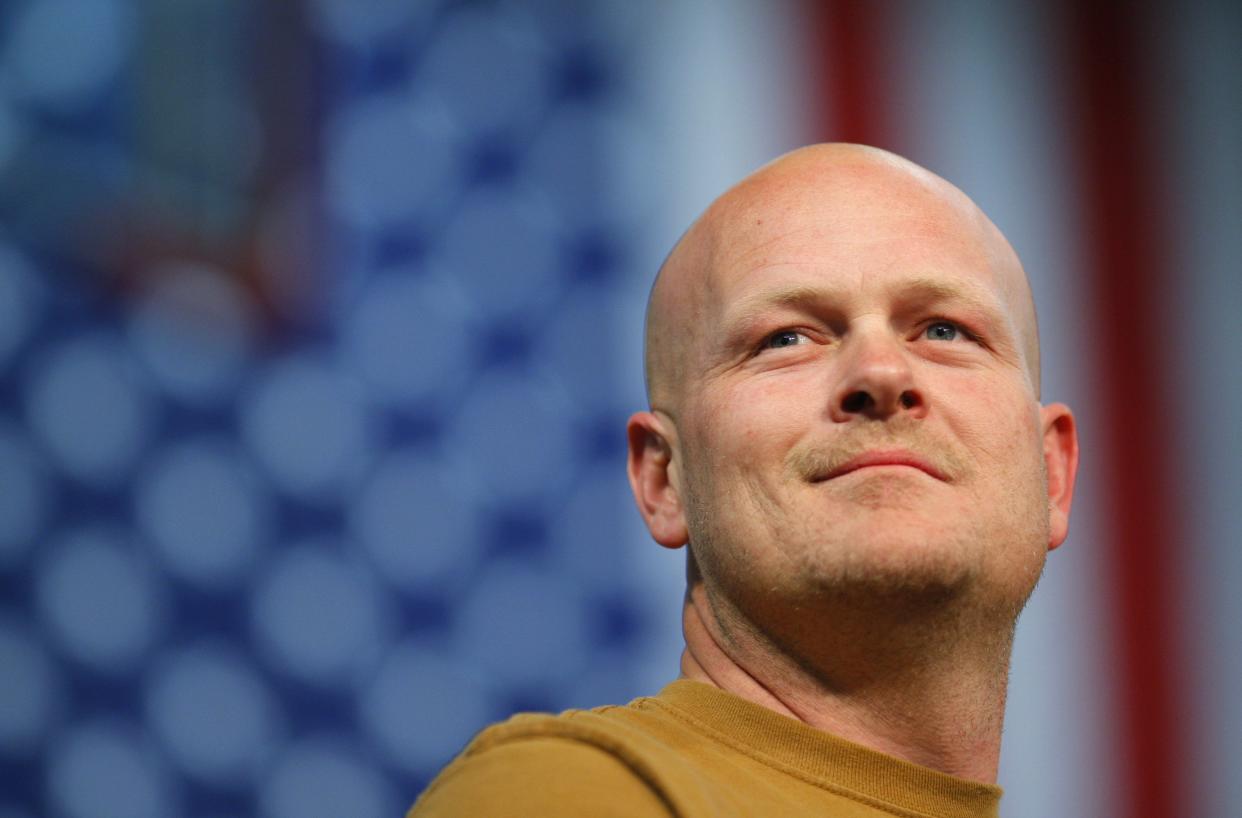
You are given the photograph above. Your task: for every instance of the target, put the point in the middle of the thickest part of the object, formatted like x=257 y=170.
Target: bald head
x=832 y=194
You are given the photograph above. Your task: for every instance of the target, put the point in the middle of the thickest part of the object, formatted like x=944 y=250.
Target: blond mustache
x=815 y=460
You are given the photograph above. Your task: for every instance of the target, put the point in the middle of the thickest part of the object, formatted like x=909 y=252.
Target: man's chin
x=911 y=572
x=891 y=559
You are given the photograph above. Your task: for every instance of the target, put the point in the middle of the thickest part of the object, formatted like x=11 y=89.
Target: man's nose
x=875 y=379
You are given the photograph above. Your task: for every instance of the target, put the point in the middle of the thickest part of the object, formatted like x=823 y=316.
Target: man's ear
x=650 y=466
x=1061 y=462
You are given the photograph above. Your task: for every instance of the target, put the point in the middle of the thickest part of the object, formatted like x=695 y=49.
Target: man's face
x=857 y=415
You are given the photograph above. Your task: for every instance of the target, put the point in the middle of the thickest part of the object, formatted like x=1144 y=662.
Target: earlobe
x=649 y=466
x=1061 y=464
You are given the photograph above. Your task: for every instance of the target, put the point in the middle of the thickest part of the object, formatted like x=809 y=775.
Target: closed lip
x=886 y=458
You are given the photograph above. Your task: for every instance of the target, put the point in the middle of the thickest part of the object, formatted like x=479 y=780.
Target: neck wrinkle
x=945 y=715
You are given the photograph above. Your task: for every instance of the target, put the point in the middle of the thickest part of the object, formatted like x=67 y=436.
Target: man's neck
x=940 y=705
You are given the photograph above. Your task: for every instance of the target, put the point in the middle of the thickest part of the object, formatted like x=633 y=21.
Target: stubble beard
x=824 y=598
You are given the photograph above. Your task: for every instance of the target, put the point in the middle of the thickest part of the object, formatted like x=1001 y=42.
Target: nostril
x=908 y=400
x=855 y=401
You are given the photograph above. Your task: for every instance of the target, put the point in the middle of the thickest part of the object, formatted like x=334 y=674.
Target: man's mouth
x=891 y=458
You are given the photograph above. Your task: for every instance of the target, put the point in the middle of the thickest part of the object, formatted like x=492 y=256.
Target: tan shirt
x=694 y=752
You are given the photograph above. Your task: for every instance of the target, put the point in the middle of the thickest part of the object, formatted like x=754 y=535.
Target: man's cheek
x=730 y=426
x=770 y=419
x=997 y=423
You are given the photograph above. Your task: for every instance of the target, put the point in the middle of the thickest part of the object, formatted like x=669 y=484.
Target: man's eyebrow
x=750 y=308
x=928 y=289
x=920 y=289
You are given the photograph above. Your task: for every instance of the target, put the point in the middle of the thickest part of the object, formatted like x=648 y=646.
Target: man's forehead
x=836 y=240
x=851 y=206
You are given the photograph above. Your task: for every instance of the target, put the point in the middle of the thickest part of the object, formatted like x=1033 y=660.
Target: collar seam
x=788 y=769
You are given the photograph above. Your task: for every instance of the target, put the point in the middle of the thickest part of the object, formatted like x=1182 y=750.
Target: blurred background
x=320 y=322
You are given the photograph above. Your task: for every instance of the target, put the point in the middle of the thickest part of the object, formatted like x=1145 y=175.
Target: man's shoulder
x=618 y=729
x=688 y=753
x=575 y=763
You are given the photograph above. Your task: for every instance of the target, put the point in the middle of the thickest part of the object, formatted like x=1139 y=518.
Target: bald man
x=846 y=435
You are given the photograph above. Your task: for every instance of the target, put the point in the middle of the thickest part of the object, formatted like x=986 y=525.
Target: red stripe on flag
x=850 y=60
x=1125 y=236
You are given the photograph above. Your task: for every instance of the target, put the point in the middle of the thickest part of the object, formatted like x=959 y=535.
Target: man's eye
x=942 y=331
x=785 y=338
